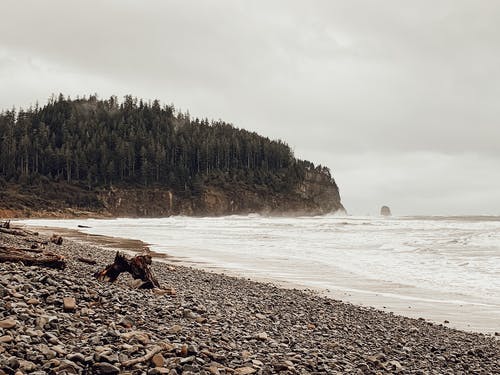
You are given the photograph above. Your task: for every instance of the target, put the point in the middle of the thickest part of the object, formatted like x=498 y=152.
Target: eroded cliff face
x=316 y=195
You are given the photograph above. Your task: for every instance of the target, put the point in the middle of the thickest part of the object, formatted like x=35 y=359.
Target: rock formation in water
x=385 y=211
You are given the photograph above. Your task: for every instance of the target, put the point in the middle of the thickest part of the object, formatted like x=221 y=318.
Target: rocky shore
x=67 y=322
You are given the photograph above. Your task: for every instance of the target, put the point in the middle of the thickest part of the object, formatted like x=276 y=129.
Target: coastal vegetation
x=68 y=149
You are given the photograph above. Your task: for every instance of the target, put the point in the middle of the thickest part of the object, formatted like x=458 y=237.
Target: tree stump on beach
x=138 y=267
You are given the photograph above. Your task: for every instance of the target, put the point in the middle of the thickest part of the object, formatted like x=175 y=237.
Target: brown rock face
x=317 y=194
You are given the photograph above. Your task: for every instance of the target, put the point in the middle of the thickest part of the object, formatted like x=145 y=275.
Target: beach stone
x=7 y=323
x=27 y=365
x=159 y=371
x=187 y=360
x=76 y=357
x=158 y=360
x=69 y=304
x=105 y=368
x=13 y=363
x=46 y=351
x=283 y=366
x=67 y=367
x=258 y=363
x=126 y=322
x=175 y=329
x=244 y=370
x=214 y=370
x=140 y=336
x=395 y=366
x=6 y=339
x=262 y=336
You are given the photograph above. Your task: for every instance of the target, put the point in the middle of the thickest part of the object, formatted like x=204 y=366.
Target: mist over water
x=454 y=260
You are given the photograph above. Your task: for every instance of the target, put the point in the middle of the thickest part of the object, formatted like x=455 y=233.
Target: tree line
x=99 y=143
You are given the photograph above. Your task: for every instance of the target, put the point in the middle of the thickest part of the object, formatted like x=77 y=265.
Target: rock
x=244 y=370
x=6 y=339
x=158 y=360
x=7 y=323
x=385 y=211
x=13 y=362
x=158 y=371
x=414 y=330
x=380 y=357
x=105 y=368
x=67 y=367
x=184 y=350
x=46 y=351
x=27 y=365
x=187 y=360
x=140 y=336
x=283 y=366
x=245 y=355
x=135 y=283
x=175 y=329
x=189 y=314
x=126 y=322
x=56 y=239
x=76 y=357
x=262 y=336
x=69 y=304
x=395 y=366
x=107 y=357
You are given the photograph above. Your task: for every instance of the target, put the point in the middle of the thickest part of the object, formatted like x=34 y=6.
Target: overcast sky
x=401 y=99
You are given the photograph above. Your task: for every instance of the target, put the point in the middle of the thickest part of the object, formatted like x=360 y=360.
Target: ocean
x=438 y=268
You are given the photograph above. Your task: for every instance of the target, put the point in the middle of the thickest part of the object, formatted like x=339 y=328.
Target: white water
x=455 y=261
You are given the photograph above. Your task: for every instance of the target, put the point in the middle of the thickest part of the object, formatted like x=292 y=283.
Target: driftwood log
x=13 y=232
x=25 y=256
x=138 y=267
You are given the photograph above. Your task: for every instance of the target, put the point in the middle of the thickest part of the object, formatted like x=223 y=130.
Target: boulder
x=385 y=211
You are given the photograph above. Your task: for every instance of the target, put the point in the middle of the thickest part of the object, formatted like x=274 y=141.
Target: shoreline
x=216 y=324
x=438 y=308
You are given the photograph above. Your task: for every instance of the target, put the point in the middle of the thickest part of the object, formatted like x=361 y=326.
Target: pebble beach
x=67 y=322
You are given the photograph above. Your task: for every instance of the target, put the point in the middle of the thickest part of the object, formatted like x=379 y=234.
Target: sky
x=399 y=99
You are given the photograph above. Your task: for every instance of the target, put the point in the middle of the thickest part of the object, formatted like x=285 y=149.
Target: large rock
x=385 y=211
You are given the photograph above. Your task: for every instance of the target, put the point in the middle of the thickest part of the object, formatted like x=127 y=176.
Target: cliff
x=316 y=195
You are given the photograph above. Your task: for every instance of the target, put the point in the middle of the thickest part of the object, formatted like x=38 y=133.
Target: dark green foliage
x=98 y=143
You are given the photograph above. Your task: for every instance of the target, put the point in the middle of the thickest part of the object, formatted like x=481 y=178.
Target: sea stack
x=385 y=211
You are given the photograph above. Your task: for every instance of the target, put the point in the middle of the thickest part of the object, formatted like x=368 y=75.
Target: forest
x=94 y=143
